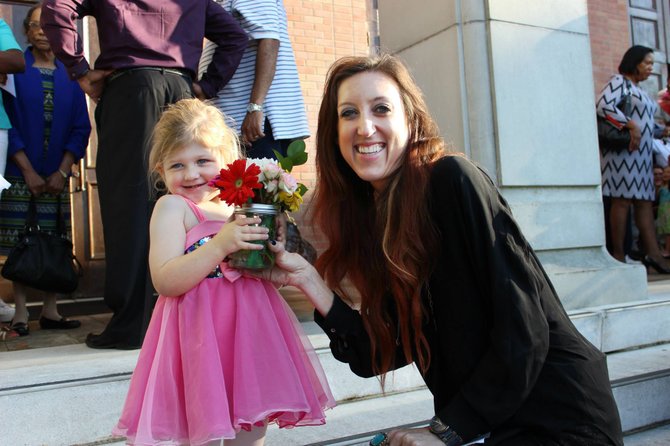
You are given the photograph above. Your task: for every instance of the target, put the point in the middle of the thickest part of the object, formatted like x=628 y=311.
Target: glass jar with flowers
x=262 y=188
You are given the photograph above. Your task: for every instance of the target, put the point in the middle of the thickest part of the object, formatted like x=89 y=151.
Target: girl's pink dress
x=224 y=356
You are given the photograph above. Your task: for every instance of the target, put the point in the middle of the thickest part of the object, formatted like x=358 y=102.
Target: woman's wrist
x=316 y=289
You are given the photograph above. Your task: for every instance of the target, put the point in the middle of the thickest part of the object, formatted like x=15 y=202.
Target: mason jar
x=257 y=259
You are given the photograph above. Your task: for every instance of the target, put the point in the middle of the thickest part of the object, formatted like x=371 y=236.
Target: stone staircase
x=72 y=395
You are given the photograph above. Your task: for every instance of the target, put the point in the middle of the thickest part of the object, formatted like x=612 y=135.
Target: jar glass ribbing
x=257 y=259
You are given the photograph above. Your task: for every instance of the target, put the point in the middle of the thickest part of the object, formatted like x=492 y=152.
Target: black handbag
x=41 y=260
x=610 y=137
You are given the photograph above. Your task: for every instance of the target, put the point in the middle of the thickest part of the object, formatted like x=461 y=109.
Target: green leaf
x=296 y=151
x=284 y=162
x=302 y=189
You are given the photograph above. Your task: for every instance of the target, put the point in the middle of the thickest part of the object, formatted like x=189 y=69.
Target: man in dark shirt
x=149 y=53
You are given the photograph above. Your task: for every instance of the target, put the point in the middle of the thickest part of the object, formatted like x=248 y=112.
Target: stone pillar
x=510 y=83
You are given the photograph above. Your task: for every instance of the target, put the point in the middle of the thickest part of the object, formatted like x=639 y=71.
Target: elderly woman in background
x=50 y=130
x=627 y=175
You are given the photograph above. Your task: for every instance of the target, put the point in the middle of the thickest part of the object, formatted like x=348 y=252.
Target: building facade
x=511 y=83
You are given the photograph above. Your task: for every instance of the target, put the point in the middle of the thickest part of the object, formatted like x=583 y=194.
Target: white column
x=510 y=84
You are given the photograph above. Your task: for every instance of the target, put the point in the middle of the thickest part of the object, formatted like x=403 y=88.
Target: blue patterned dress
x=628 y=174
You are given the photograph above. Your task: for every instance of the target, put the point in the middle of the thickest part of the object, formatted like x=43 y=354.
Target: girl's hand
x=413 y=437
x=238 y=234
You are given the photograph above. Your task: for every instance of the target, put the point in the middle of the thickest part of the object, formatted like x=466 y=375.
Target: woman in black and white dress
x=627 y=176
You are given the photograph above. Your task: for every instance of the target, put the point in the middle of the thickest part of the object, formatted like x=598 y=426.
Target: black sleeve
x=511 y=284
x=349 y=341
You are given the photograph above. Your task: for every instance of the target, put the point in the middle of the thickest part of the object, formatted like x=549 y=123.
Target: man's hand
x=252 y=127
x=93 y=82
x=197 y=91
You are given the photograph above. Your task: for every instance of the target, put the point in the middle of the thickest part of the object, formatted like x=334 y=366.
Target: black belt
x=176 y=71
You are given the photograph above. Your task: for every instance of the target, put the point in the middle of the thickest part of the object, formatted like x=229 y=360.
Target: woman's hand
x=36 y=184
x=55 y=183
x=413 y=437
x=635 y=136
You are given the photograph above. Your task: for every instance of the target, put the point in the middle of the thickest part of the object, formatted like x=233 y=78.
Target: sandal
x=7 y=333
x=21 y=328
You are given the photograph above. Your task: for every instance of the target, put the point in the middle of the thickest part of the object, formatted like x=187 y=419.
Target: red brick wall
x=609 y=28
x=321 y=32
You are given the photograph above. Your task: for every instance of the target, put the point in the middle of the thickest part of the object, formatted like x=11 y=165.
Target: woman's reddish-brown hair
x=384 y=244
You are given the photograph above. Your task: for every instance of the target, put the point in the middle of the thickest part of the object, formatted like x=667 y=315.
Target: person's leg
x=644 y=220
x=618 y=220
x=49 y=307
x=126 y=115
x=21 y=314
x=254 y=437
x=20 y=321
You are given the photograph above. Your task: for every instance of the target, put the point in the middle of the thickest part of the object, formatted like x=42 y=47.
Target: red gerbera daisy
x=237 y=183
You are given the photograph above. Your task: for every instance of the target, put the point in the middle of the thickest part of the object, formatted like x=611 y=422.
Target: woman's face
x=645 y=67
x=372 y=128
x=36 y=37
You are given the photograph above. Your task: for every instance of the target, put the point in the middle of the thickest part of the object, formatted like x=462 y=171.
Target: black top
x=505 y=356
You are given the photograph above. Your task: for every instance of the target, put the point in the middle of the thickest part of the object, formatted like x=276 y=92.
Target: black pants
x=263 y=147
x=129 y=108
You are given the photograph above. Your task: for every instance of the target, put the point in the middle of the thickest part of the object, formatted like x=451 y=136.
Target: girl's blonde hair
x=186 y=122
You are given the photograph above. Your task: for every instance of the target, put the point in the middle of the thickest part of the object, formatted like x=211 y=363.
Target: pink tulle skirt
x=225 y=356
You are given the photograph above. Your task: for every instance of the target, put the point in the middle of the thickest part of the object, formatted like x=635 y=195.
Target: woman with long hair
x=445 y=278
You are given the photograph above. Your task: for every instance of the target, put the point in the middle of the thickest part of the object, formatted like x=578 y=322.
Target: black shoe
x=62 y=324
x=648 y=261
x=21 y=328
x=102 y=341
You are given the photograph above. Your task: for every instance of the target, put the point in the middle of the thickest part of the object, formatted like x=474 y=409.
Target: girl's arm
x=172 y=271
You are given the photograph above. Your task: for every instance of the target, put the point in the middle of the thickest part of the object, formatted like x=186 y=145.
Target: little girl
x=223 y=355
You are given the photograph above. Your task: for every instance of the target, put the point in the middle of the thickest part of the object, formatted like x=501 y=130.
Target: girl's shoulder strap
x=196 y=210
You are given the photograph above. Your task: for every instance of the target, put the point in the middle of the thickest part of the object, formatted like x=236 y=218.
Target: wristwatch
x=444 y=432
x=254 y=107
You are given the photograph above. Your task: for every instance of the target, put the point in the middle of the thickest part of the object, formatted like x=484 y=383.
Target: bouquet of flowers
x=262 y=187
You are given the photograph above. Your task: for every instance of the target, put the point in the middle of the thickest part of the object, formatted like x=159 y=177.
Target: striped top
x=284 y=106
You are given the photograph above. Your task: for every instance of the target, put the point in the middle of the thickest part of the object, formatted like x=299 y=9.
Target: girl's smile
x=188 y=171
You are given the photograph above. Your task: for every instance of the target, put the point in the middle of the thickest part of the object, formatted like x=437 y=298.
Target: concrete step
x=73 y=395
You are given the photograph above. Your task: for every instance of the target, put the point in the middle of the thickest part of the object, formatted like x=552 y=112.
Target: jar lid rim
x=259 y=207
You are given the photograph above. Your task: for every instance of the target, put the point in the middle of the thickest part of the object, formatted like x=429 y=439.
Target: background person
x=263 y=99
x=11 y=61
x=50 y=130
x=627 y=175
x=149 y=52
x=446 y=278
